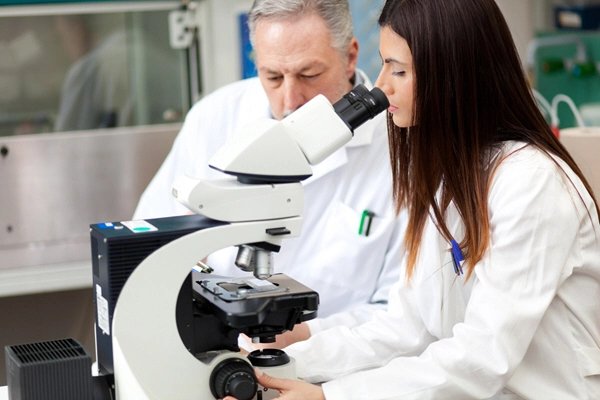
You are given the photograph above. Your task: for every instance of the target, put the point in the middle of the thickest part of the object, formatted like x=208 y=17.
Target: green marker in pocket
x=368 y=217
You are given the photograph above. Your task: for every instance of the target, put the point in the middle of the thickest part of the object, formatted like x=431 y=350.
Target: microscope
x=163 y=332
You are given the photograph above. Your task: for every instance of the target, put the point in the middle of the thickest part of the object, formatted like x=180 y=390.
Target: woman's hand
x=289 y=389
x=299 y=333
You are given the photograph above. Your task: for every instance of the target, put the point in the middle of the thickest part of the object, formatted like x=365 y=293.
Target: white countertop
x=45 y=278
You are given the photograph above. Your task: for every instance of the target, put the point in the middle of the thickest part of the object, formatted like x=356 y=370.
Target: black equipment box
x=117 y=249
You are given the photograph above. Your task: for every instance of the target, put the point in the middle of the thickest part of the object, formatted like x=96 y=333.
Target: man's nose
x=293 y=97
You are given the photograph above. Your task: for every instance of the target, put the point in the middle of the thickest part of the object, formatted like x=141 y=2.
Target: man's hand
x=300 y=333
x=289 y=389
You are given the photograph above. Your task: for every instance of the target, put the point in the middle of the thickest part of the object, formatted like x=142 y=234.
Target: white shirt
x=526 y=324
x=352 y=273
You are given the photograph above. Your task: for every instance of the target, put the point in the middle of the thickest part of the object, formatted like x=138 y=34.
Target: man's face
x=296 y=61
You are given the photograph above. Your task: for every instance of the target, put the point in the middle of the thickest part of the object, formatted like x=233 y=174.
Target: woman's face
x=396 y=77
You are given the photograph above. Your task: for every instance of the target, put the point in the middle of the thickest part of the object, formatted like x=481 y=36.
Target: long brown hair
x=471 y=95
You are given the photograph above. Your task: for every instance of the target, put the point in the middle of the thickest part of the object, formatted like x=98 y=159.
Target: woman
x=483 y=178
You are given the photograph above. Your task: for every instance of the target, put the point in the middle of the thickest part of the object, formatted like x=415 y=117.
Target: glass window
x=89 y=71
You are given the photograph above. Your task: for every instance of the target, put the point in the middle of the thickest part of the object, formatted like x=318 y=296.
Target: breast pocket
x=353 y=260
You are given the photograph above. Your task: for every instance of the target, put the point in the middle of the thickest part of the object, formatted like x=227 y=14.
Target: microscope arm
x=150 y=359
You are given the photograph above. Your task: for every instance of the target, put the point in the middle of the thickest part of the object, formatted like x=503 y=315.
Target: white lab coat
x=351 y=273
x=526 y=324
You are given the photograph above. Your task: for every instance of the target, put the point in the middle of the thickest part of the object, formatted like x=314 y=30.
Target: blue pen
x=457 y=257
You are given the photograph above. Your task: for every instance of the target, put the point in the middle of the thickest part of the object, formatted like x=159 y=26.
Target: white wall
x=221 y=42
x=519 y=16
x=525 y=18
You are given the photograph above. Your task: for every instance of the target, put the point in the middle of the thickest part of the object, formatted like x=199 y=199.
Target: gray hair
x=335 y=13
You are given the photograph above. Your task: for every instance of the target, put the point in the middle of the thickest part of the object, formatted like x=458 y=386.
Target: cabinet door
x=97 y=66
x=91 y=97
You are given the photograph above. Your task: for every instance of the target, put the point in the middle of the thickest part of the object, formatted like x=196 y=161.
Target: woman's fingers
x=290 y=389
x=270 y=381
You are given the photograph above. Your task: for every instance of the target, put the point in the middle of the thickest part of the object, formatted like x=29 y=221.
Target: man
x=303 y=48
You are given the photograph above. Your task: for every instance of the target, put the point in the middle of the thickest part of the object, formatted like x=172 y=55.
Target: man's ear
x=352 y=57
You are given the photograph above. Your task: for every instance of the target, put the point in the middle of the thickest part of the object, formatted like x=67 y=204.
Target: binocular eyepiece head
x=359 y=105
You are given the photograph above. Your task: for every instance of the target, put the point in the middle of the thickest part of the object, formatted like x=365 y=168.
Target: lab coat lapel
x=455 y=290
x=444 y=303
x=429 y=274
x=331 y=163
x=251 y=105
x=255 y=106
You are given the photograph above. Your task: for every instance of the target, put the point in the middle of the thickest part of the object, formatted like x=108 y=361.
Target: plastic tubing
x=564 y=98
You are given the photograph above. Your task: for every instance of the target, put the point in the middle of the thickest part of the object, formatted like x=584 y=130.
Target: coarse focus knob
x=234 y=377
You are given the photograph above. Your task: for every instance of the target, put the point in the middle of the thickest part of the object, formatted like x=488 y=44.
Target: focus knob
x=233 y=377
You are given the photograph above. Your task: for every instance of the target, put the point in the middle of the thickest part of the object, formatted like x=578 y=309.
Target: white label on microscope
x=139 y=226
x=102 y=310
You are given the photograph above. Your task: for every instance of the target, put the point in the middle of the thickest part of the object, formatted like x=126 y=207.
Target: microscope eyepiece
x=350 y=98
x=379 y=99
x=360 y=105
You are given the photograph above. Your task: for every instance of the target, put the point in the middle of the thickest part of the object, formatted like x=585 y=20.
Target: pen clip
x=368 y=216
x=457 y=257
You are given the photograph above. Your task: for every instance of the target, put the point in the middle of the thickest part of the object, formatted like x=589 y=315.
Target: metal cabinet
x=92 y=95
